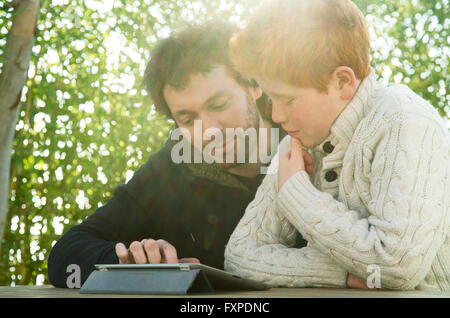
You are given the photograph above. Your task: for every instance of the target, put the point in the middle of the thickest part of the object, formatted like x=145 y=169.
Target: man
x=171 y=211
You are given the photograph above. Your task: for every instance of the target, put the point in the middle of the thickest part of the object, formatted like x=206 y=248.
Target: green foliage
x=411 y=46
x=85 y=124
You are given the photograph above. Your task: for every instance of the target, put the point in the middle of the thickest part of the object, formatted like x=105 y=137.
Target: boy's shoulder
x=397 y=108
x=398 y=102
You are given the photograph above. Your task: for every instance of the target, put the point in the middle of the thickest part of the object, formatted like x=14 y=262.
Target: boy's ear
x=346 y=81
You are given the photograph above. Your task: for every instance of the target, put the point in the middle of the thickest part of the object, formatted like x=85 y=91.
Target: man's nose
x=211 y=127
x=278 y=115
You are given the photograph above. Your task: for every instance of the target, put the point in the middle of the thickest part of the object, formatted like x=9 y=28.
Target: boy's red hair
x=301 y=42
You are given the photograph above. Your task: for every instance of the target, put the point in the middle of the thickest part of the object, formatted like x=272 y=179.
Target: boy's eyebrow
x=278 y=96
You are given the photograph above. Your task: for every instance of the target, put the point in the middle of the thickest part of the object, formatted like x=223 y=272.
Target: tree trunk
x=16 y=56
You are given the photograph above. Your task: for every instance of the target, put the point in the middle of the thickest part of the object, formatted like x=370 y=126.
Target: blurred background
x=86 y=124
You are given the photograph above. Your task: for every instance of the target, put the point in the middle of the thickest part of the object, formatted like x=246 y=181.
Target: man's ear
x=256 y=92
x=345 y=81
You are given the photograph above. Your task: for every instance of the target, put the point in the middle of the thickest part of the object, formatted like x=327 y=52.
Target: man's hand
x=149 y=251
x=296 y=159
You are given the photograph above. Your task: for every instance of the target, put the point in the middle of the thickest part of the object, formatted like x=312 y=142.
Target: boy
x=378 y=200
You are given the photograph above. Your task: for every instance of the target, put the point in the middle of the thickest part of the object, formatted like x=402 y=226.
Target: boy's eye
x=289 y=102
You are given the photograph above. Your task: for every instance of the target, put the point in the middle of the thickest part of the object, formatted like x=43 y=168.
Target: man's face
x=219 y=101
x=304 y=113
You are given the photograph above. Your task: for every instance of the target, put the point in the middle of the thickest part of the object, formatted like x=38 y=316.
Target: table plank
x=48 y=291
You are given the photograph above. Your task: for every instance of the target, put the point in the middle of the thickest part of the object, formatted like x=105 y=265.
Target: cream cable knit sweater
x=386 y=203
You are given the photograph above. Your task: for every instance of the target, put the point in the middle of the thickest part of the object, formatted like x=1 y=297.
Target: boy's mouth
x=293 y=133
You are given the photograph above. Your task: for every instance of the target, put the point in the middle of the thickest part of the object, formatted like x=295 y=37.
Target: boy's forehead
x=277 y=88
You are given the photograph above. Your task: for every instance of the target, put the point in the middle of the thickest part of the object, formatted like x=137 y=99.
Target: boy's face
x=216 y=99
x=304 y=113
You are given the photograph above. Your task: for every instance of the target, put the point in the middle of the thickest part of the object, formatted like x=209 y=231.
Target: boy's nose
x=278 y=115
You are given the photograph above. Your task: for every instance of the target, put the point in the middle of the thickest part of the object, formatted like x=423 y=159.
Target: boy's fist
x=296 y=159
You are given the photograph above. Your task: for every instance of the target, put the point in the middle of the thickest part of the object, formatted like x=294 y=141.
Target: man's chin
x=228 y=166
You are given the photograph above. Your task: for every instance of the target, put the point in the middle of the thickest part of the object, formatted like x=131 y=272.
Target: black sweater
x=192 y=210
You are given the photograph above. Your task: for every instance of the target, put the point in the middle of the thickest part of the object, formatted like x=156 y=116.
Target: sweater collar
x=344 y=127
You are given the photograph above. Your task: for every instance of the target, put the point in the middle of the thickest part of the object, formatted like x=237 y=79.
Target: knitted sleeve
x=404 y=182
x=259 y=247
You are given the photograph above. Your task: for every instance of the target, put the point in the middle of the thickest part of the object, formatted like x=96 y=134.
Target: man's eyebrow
x=209 y=101
x=182 y=112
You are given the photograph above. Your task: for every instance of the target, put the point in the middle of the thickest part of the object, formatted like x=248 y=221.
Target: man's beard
x=252 y=120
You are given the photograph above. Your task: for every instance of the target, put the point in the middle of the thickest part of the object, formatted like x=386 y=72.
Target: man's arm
x=124 y=218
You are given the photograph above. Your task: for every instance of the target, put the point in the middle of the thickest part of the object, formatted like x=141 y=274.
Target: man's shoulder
x=157 y=169
x=159 y=158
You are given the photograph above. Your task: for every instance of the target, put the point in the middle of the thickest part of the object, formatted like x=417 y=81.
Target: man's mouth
x=226 y=146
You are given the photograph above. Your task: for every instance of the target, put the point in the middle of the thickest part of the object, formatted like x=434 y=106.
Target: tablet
x=220 y=279
x=181 y=278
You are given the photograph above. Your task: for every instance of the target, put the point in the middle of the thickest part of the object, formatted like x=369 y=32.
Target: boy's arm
x=259 y=247
x=409 y=205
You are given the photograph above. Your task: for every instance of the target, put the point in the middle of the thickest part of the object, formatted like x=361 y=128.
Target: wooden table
x=52 y=292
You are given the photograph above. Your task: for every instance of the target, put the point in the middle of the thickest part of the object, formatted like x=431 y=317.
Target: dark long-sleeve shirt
x=194 y=207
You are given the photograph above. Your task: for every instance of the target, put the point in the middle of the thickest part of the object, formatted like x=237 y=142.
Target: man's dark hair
x=195 y=49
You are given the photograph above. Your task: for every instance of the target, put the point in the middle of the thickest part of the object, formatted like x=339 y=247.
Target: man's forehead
x=200 y=89
x=216 y=75
x=186 y=107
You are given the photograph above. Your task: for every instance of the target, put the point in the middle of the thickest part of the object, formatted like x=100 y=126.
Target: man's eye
x=186 y=122
x=217 y=107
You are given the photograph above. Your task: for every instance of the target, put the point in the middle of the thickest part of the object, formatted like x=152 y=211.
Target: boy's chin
x=308 y=144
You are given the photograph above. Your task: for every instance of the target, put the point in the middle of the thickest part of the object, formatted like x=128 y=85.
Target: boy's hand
x=149 y=251
x=356 y=282
x=296 y=159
